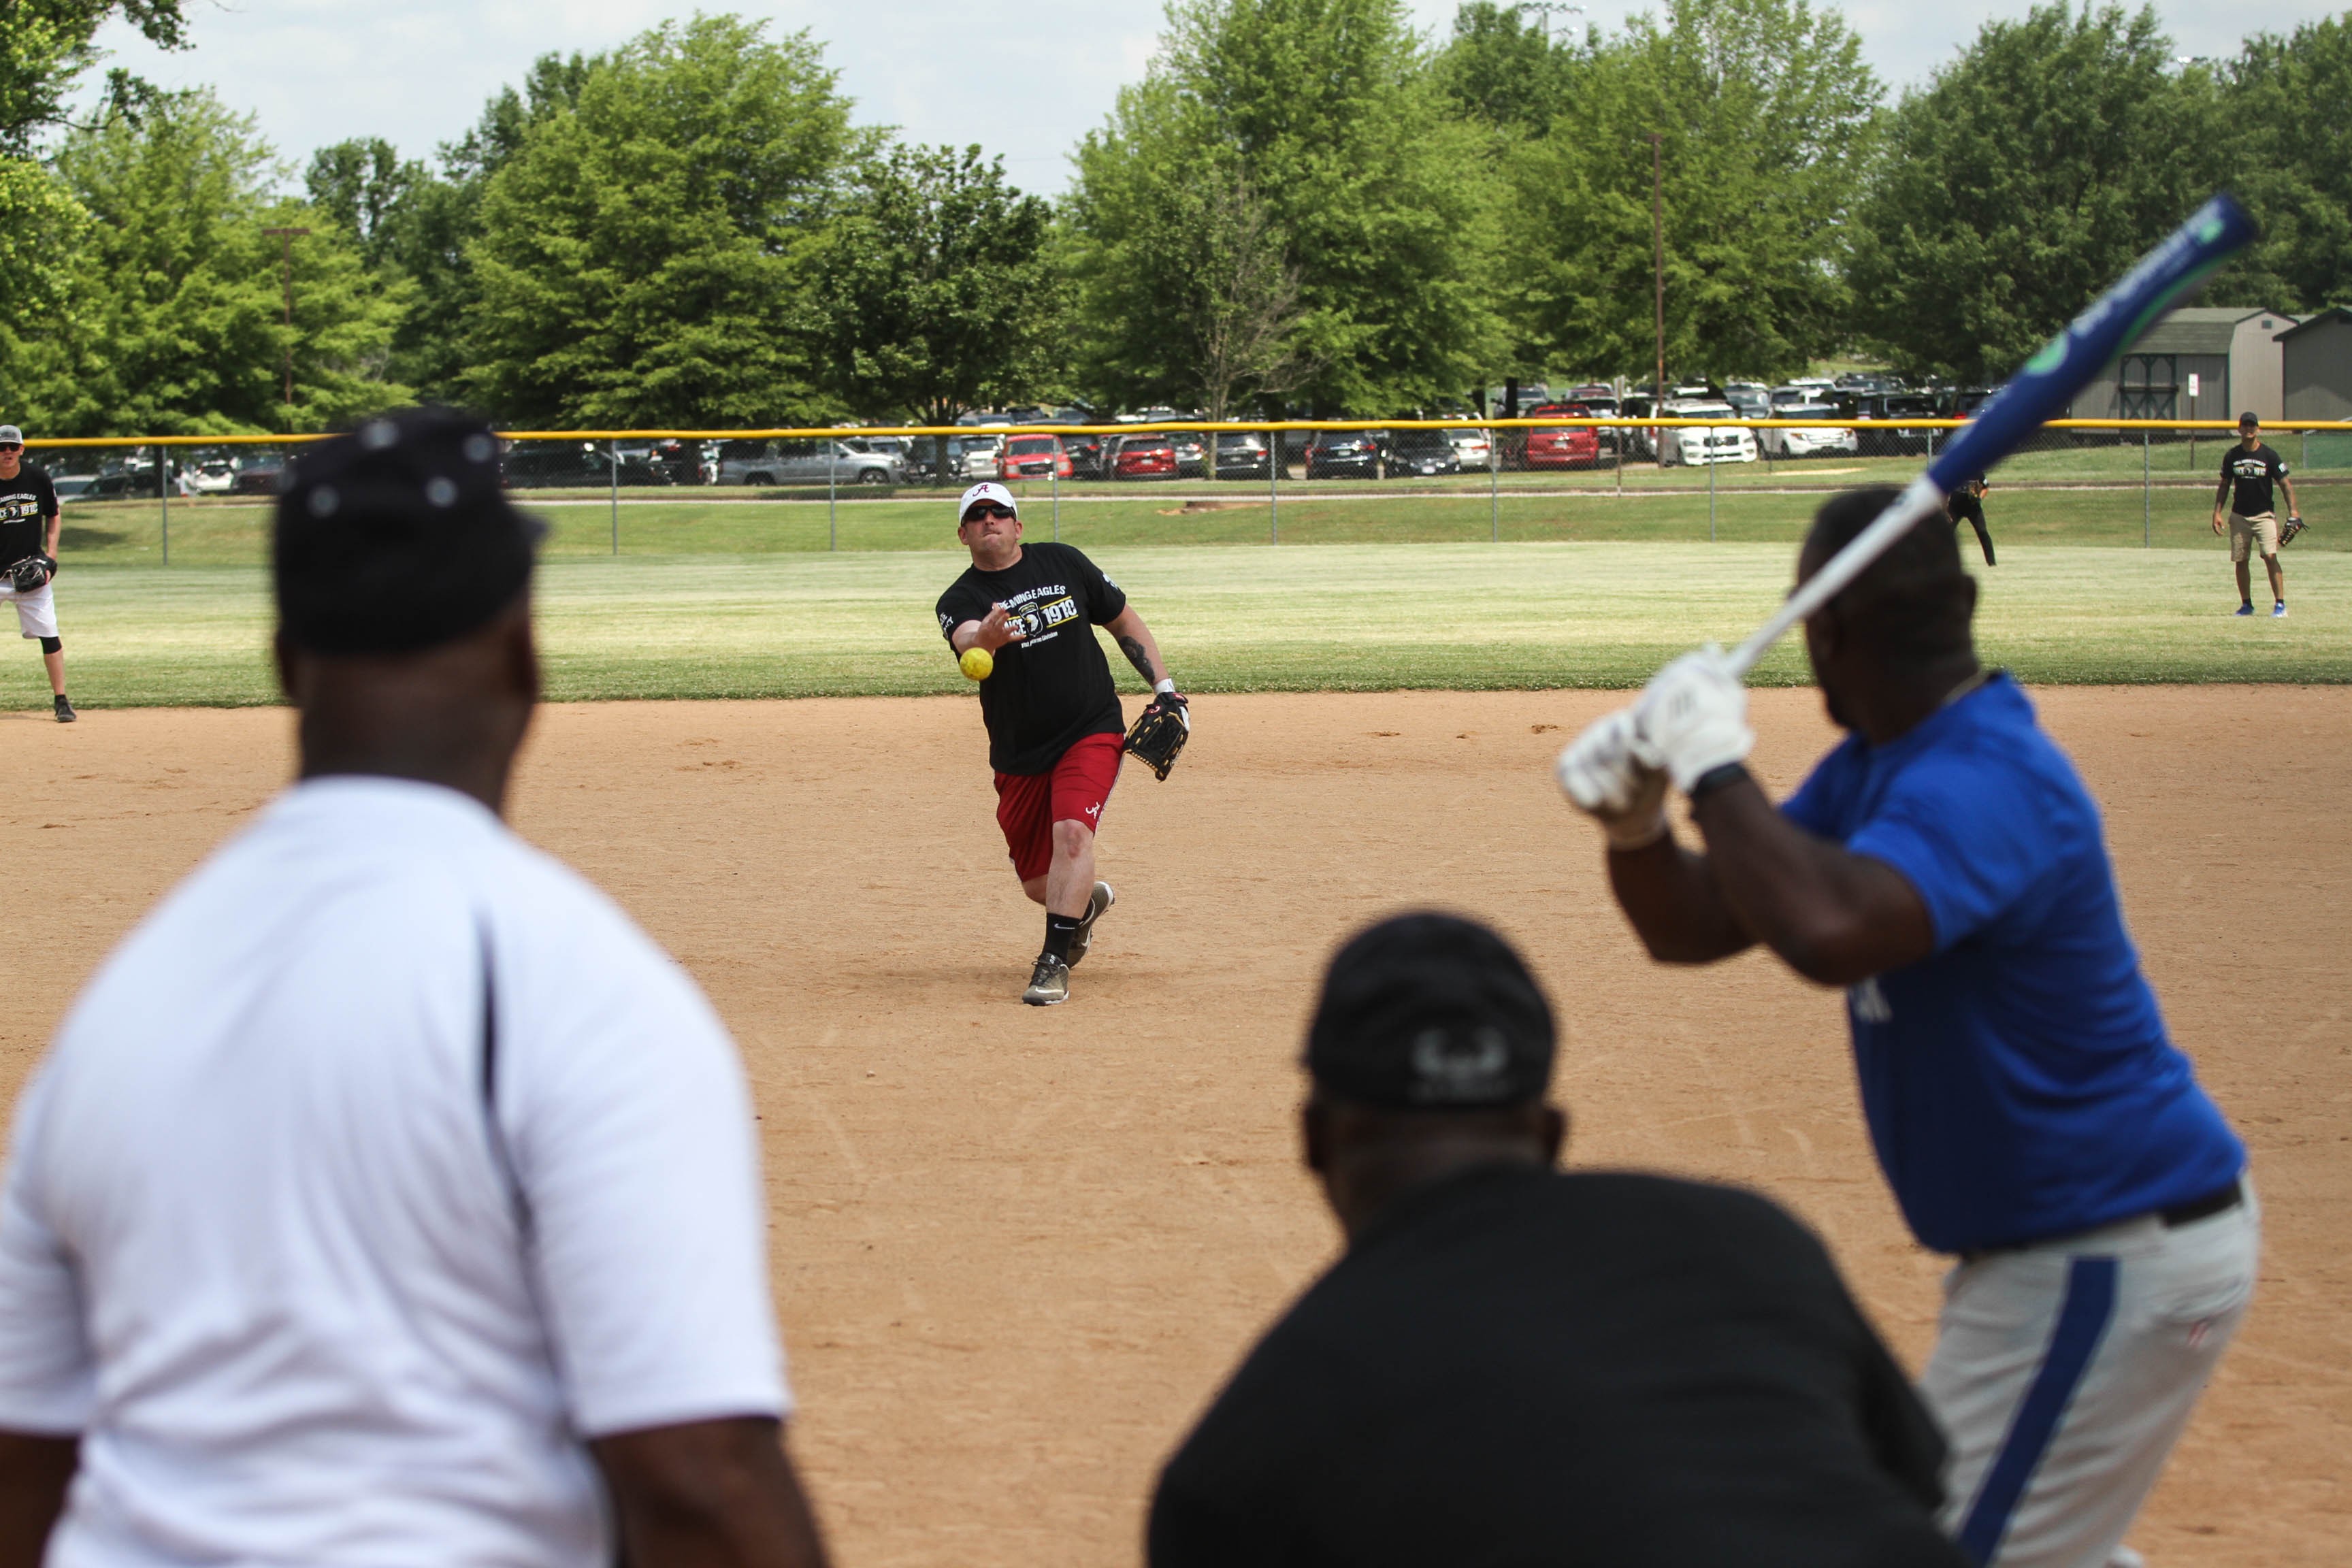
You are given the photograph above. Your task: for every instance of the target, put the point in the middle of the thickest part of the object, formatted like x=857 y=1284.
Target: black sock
x=1059 y=929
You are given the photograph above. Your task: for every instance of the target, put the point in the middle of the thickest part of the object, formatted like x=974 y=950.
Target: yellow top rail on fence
x=1231 y=426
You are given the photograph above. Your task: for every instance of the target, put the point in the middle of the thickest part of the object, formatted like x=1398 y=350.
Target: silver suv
x=804 y=460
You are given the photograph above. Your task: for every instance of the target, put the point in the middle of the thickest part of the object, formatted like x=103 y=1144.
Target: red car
x=1567 y=446
x=1145 y=458
x=1032 y=457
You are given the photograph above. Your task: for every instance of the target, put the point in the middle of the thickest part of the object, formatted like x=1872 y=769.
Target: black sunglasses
x=10 y=447
x=983 y=513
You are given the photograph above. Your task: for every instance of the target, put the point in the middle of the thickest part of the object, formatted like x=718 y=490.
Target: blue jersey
x=2017 y=1082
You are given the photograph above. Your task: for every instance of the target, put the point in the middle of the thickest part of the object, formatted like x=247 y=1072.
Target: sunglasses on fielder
x=986 y=513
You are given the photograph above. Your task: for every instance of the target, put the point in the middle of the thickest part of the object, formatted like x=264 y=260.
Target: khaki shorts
x=2259 y=530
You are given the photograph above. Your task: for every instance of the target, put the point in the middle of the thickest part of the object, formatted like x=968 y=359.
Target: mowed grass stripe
x=733 y=522
x=1352 y=618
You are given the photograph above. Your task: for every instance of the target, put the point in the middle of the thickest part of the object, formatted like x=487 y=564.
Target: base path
x=1015 y=1250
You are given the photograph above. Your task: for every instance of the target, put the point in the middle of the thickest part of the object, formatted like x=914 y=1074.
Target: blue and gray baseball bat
x=2038 y=392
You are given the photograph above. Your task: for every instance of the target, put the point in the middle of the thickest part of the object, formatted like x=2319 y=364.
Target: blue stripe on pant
x=2083 y=1318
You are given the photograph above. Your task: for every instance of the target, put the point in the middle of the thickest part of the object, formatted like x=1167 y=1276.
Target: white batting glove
x=1693 y=717
x=1603 y=775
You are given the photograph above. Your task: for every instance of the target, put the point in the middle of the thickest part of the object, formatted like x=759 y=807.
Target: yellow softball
x=976 y=663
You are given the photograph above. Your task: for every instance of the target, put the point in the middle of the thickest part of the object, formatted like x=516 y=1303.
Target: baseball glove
x=1159 y=733
x=2286 y=535
x=30 y=574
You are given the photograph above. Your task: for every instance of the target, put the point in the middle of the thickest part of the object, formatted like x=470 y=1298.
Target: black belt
x=2221 y=1200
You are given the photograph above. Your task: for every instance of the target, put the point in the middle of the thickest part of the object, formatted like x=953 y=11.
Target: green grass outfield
x=1341 y=616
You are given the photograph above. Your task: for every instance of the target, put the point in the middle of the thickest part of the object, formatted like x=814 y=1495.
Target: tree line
x=1303 y=204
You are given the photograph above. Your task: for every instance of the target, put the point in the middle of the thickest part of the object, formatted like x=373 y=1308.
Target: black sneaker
x=65 y=710
x=1085 y=938
x=1049 y=984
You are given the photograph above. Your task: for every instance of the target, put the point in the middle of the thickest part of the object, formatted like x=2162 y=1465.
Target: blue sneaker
x=2246 y=609
x=2278 y=611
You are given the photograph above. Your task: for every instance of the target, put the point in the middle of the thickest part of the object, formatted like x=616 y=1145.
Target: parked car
x=1144 y=457
x=1422 y=453
x=72 y=487
x=1472 y=448
x=1241 y=454
x=1600 y=403
x=211 y=476
x=801 y=460
x=1334 y=454
x=1085 y=454
x=1824 y=439
x=557 y=466
x=1892 y=406
x=1748 y=399
x=1192 y=454
x=1562 y=445
x=256 y=477
x=1961 y=402
x=1703 y=444
x=1032 y=457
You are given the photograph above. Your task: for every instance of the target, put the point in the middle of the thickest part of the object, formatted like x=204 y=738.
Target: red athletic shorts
x=1028 y=805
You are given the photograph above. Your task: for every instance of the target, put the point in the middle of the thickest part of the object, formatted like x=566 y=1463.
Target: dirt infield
x=1015 y=1250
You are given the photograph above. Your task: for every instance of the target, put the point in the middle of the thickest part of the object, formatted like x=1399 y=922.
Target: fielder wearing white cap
x=28 y=558
x=389 y=1198
x=1052 y=713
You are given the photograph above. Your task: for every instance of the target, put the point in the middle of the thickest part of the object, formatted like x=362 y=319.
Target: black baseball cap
x=398 y=536
x=2249 y=420
x=1431 y=1012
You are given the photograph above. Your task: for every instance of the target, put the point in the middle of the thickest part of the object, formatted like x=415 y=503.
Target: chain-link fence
x=196 y=500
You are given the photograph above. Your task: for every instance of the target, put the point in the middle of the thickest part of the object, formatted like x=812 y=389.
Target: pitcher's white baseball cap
x=987 y=490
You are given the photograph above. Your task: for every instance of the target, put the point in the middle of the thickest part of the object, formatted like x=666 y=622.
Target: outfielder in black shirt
x=2251 y=471
x=1051 y=710
x=28 y=527
x=1965 y=504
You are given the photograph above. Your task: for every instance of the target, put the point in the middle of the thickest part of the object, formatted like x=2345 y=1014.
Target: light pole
x=1658 y=257
x=1549 y=8
x=286 y=238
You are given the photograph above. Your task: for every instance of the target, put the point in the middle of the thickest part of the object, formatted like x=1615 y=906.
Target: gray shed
x=2234 y=352
x=2317 y=364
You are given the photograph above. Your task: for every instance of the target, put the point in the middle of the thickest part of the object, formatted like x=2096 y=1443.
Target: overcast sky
x=1024 y=79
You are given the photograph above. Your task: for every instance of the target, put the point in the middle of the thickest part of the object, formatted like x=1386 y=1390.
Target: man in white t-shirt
x=388 y=1198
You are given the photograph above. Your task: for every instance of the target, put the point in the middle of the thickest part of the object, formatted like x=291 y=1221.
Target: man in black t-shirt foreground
x=1052 y=713
x=1515 y=1365
x=2249 y=472
x=28 y=531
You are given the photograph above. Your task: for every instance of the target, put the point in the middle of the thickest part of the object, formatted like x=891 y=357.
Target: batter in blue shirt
x=1947 y=866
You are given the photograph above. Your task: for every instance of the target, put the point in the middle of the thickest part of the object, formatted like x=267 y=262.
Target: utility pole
x=1658 y=247
x=286 y=238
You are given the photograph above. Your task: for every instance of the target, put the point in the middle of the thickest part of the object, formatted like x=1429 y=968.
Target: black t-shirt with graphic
x=25 y=502
x=1583 y=1371
x=1053 y=688
x=2252 y=474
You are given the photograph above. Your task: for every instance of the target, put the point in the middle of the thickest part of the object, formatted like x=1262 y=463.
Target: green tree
x=1502 y=70
x=1766 y=117
x=173 y=323
x=45 y=48
x=47 y=45
x=1375 y=200
x=937 y=288
x=638 y=261
x=2023 y=180
x=2291 y=162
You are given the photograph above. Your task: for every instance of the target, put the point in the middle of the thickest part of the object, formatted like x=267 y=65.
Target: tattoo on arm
x=1133 y=648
